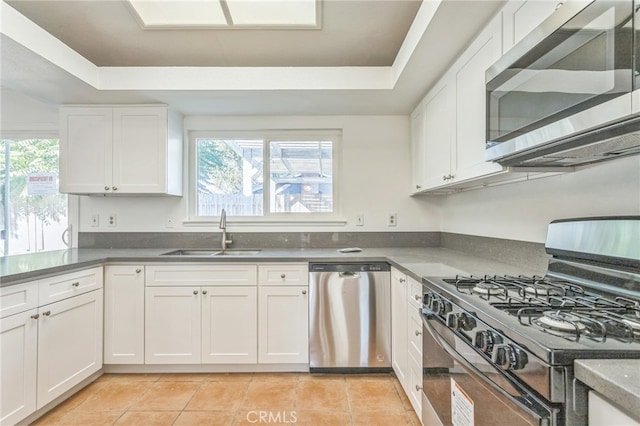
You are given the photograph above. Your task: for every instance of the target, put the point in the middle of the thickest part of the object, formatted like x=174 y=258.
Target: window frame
x=267 y=136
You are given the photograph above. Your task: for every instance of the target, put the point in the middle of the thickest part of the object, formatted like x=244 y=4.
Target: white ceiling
x=370 y=57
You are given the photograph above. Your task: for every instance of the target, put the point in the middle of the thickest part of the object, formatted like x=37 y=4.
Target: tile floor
x=237 y=399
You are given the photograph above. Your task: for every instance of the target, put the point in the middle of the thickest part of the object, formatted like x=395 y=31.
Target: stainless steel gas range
x=500 y=349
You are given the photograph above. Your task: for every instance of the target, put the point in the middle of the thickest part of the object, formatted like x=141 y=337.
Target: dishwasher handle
x=349 y=274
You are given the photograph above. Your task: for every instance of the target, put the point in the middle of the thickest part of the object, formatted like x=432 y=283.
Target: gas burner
x=560 y=321
x=538 y=290
x=635 y=325
x=487 y=288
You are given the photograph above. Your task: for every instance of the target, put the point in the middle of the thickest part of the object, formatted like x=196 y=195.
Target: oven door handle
x=428 y=316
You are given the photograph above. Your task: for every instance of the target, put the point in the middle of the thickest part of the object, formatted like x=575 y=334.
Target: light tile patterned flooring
x=237 y=399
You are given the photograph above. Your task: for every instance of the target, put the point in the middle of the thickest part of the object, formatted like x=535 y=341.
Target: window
x=264 y=175
x=34 y=215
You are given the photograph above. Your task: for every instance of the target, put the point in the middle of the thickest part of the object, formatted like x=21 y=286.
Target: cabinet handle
x=138 y=270
x=418 y=333
x=204 y=291
x=115 y=188
x=195 y=292
x=418 y=388
x=76 y=284
x=36 y=316
x=559 y=5
x=304 y=291
x=283 y=276
x=106 y=188
x=46 y=314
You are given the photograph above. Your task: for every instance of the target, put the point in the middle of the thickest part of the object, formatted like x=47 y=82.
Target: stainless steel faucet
x=223 y=226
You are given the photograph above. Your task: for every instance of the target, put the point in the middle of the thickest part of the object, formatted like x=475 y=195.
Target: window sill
x=250 y=222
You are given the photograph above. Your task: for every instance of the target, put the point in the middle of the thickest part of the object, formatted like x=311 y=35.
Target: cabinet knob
x=283 y=276
x=46 y=314
x=204 y=291
x=418 y=333
x=418 y=388
x=304 y=291
x=115 y=188
x=559 y=5
x=138 y=270
x=418 y=187
x=35 y=317
x=76 y=284
x=444 y=177
x=195 y=292
x=402 y=280
x=106 y=188
x=417 y=297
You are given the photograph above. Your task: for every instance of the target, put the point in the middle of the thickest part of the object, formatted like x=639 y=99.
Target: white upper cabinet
x=120 y=150
x=521 y=17
x=470 y=104
x=449 y=136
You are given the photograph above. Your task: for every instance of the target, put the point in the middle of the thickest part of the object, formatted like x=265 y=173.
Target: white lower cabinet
x=406 y=335
x=399 y=354
x=229 y=325
x=18 y=366
x=69 y=344
x=283 y=325
x=124 y=314
x=172 y=325
x=46 y=350
x=193 y=325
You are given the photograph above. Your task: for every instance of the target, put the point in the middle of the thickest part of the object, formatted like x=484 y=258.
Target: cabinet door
x=283 y=325
x=521 y=17
x=172 y=325
x=85 y=150
x=124 y=314
x=418 y=156
x=140 y=150
x=230 y=325
x=399 y=325
x=471 y=104
x=438 y=133
x=18 y=366
x=69 y=344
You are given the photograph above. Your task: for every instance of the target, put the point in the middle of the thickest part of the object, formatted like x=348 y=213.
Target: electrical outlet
x=170 y=222
x=113 y=220
x=95 y=220
x=360 y=219
x=392 y=219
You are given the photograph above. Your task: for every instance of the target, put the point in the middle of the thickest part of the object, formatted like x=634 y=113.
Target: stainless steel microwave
x=568 y=93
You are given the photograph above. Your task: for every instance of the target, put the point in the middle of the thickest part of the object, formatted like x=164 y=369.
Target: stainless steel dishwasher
x=349 y=317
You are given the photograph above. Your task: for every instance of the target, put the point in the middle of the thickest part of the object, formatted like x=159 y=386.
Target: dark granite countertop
x=618 y=380
x=416 y=261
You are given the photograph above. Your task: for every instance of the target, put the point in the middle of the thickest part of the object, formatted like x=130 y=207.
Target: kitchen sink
x=209 y=252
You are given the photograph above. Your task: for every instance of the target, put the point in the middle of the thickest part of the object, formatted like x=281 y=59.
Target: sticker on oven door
x=461 y=406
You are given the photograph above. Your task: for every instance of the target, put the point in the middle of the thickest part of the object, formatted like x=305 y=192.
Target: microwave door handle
x=472 y=369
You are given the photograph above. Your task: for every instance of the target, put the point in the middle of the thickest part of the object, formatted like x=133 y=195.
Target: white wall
x=23 y=116
x=374 y=181
x=522 y=211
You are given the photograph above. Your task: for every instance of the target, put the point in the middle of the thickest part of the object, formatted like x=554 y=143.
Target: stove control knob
x=460 y=320
x=485 y=340
x=509 y=357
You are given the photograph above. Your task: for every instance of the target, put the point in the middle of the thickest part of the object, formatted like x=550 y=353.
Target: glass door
x=34 y=215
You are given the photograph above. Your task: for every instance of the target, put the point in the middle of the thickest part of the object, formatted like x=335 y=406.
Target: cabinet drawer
x=67 y=285
x=414 y=331
x=200 y=275
x=284 y=274
x=18 y=298
x=415 y=385
x=414 y=292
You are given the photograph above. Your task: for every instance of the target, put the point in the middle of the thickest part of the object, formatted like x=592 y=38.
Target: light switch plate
x=95 y=220
x=360 y=219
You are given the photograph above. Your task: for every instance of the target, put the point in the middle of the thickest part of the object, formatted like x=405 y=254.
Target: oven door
x=461 y=387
